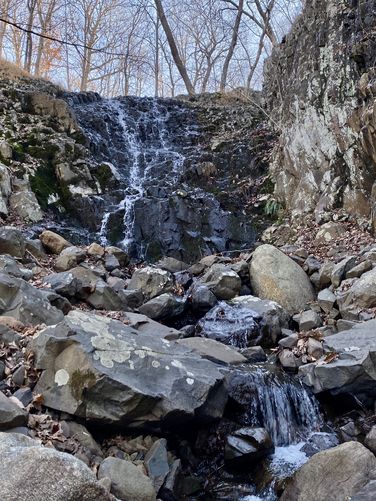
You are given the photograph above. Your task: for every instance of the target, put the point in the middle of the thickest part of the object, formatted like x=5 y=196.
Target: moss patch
x=81 y=381
x=44 y=183
x=104 y=175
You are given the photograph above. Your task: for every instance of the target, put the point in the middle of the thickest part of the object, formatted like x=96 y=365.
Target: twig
x=34 y=259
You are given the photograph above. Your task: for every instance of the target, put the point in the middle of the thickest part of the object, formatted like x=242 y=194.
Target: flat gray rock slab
x=100 y=369
x=213 y=350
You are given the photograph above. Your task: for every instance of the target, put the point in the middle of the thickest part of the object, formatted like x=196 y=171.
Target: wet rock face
x=233 y=325
x=319 y=88
x=165 y=173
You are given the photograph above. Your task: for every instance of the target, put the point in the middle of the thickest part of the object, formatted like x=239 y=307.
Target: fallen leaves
x=330 y=357
x=46 y=429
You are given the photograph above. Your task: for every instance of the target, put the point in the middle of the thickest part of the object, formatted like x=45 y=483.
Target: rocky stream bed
x=216 y=380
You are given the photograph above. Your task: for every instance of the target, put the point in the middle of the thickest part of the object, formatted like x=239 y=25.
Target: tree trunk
x=156 y=63
x=234 y=41
x=31 y=4
x=86 y=66
x=174 y=50
x=257 y=60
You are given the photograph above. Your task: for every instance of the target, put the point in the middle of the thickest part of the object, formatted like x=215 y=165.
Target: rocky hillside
x=320 y=88
x=117 y=169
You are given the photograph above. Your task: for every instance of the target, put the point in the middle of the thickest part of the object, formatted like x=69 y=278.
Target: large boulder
x=25 y=204
x=235 y=325
x=29 y=471
x=83 y=284
x=361 y=295
x=53 y=242
x=100 y=369
x=151 y=281
x=69 y=258
x=164 y=306
x=28 y=304
x=12 y=242
x=334 y=474
x=273 y=315
x=127 y=481
x=354 y=368
x=277 y=277
x=224 y=282
x=47 y=105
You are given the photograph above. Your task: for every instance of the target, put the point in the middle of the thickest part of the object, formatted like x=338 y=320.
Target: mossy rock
x=44 y=183
x=104 y=176
x=18 y=152
x=154 y=251
x=46 y=151
x=267 y=187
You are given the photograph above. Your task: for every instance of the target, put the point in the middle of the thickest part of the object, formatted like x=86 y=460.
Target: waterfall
x=276 y=401
x=145 y=139
x=157 y=205
x=282 y=406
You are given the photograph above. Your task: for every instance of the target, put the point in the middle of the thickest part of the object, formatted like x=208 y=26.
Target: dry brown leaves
x=330 y=357
x=31 y=330
x=301 y=351
x=314 y=333
x=46 y=429
x=115 y=315
x=353 y=240
x=179 y=290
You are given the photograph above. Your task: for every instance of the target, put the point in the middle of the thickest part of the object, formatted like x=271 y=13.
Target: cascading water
x=141 y=143
x=152 y=146
x=283 y=406
x=269 y=398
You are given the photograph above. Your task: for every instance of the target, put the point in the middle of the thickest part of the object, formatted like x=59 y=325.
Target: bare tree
x=234 y=41
x=45 y=10
x=31 y=6
x=173 y=47
x=154 y=47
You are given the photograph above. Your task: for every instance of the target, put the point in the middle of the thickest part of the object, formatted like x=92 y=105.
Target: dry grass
x=12 y=71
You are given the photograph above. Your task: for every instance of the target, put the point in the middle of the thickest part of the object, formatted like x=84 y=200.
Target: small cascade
x=264 y=396
x=283 y=406
x=234 y=325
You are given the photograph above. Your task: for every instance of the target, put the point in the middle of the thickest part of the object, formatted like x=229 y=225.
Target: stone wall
x=320 y=88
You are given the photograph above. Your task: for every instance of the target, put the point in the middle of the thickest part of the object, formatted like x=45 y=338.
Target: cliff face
x=320 y=89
